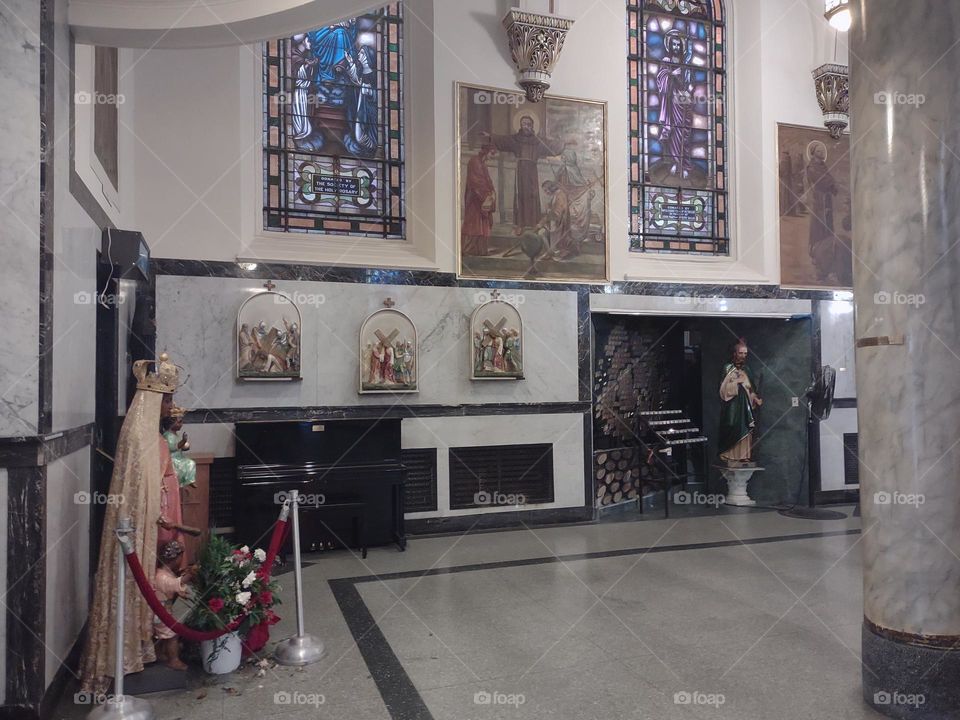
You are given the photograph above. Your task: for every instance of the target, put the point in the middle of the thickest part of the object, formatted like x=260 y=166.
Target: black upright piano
x=348 y=473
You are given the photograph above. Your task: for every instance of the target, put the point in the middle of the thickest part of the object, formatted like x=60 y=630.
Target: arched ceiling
x=201 y=23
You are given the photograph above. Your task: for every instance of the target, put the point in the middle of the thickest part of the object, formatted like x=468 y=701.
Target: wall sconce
x=536 y=40
x=832 y=82
x=837 y=12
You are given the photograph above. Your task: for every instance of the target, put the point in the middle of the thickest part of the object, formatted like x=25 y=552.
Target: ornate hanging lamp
x=837 y=12
x=832 y=82
x=536 y=40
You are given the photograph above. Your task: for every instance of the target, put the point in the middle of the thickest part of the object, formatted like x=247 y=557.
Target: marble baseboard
x=912 y=682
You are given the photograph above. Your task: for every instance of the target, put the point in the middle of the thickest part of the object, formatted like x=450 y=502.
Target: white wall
x=198 y=154
x=68 y=547
x=196 y=324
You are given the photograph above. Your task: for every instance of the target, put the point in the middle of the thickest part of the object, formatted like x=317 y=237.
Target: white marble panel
x=841 y=420
x=564 y=431
x=837 y=344
x=20 y=212
x=196 y=319
x=703 y=302
x=67 y=555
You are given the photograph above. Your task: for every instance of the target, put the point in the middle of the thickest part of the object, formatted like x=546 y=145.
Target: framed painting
x=389 y=353
x=496 y=348
x=268 y=338
x=814 y=208
x=531 y=187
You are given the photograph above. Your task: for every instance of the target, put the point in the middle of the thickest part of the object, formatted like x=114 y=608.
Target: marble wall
x=68 y=547
x=196 y=324
x=20 y=210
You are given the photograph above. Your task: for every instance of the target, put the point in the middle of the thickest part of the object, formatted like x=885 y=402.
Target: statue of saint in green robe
x=739 y=399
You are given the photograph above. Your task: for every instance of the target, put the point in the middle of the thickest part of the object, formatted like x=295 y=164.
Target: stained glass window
x=333 y=128
x=678 y=160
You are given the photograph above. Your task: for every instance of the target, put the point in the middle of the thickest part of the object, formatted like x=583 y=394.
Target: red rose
x=266 y=598
x=271 y=618
x=215 y=604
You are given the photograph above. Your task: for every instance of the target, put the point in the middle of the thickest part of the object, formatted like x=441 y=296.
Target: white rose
x=243 y=598
x=260 y=555
x=245 y=549
x=249 y=580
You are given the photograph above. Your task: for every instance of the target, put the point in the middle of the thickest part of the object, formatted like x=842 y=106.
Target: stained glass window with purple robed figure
x=333 y=128
x=678 y=164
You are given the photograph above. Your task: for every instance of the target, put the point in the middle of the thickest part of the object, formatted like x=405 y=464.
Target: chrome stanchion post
x=120 y=706
x=301 y=649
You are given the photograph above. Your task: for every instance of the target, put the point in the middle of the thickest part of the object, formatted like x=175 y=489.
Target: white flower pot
x=222 y=655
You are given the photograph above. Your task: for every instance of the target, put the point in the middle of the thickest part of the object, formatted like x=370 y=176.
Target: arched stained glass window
x=678 y=133
x=333 y=128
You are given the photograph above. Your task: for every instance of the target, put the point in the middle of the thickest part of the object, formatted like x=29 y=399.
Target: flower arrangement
x=230 y=582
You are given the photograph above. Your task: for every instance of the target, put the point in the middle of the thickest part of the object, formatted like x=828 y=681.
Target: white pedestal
x=737 y=479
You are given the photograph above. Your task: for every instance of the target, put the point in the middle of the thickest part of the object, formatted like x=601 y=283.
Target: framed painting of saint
x=531 y=187
x=496 y=348
x=268 y=338
x=389 y=361
x=815 y=217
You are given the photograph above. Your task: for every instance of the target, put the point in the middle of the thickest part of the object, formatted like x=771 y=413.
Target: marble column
x=905 y=158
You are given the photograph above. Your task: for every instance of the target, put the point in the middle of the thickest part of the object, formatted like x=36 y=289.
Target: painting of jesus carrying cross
x=496 y=352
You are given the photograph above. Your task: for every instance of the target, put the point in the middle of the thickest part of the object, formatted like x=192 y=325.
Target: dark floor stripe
x=397 y=690
x=546 y=560
x=402 y=699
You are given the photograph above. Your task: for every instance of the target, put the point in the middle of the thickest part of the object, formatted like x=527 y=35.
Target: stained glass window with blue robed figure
x=678 y=166
x=333 y=128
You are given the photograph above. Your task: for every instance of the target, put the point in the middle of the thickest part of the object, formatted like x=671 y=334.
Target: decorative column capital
x=833 y=93
x=535 y=44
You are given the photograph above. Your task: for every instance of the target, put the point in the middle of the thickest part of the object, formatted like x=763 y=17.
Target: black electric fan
x=819 y=397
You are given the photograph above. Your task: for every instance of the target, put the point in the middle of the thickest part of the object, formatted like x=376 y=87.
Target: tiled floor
x=615 y=620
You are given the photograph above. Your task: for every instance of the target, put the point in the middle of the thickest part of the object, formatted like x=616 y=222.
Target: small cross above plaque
x=269 y=285
x=389 y=303
x=494 y=294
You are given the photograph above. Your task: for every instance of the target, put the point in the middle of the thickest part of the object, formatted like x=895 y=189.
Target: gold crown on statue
x=178 y=412
x=165 y=378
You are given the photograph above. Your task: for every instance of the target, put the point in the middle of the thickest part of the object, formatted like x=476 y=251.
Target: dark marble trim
x=48 y=63
x=385 y=276
x=845 y=403
x=81 y=193
x=814 y=465
x=907 y=680
x=25 y=598
x=497 y=521
x=398 y=692
x=41 y=450
x=342 y=412
x=836 y=497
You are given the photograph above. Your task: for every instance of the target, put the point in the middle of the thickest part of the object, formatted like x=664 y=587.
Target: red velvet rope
x=187 y=633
